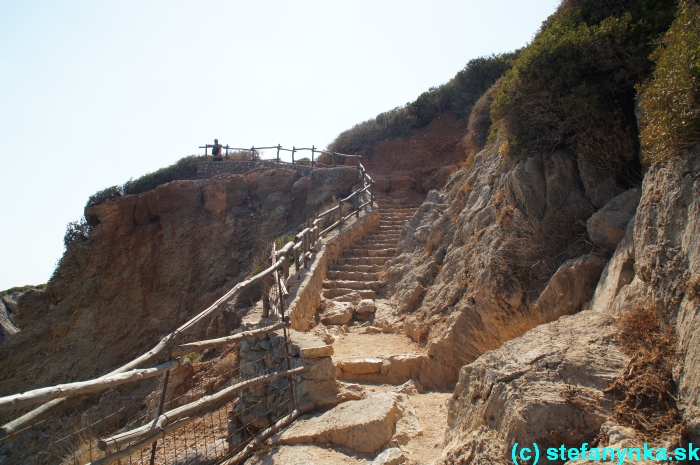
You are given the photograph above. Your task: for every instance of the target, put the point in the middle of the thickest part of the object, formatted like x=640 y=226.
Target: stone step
x=356 y=268
x=355 y=285
x=368 y=253
x=337 y=292
x=374 y=245
x=361 y=260
x=351 y=275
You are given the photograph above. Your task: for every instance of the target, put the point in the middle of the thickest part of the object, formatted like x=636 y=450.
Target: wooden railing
x=253 y=150
x=169 y=352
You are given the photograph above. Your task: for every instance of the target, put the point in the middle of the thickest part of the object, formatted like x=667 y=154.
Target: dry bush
x=434 y=240
x=535 y=250
x=479 y=126
x=645 y=391
x=671 y=99
x=325 y=159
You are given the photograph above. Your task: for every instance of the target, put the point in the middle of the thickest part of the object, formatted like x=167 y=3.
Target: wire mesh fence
x=72 y=437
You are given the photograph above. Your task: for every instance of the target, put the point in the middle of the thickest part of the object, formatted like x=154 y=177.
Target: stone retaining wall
x=305 y=295
x=209 y=169
x=258 y=408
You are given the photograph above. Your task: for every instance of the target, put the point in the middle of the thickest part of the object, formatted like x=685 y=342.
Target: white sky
x=93 y=93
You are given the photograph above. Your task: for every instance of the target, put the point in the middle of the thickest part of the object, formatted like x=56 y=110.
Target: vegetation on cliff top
x=458 y=95
x=671 y=99
x=574 y=85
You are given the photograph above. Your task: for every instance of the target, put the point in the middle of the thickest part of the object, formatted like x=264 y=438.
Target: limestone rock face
x=477 y=254
x=542 y=385
x=599 y=183
x=546 y=386
x=337 y=313
x=607 y=226
x=571 y=286
x=7 y=329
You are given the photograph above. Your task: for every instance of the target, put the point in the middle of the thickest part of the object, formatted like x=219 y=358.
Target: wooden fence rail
x=279 y=149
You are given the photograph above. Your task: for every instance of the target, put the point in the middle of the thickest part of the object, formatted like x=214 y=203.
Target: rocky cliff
x=522 y=252
x=117 y=288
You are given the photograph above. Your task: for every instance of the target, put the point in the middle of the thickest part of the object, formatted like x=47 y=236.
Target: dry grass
x=535 y=250
x=645 y=391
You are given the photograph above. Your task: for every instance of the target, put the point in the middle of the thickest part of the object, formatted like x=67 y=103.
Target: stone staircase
x=358 y=268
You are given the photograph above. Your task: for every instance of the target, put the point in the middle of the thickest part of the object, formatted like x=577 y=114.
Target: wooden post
x=313 y=149
x=371 y=194
x=333 y=157
x=340 y=213
x=265 y=290
x=296 y=259
x=160 y=412
x=357 y=161
x=357 y=205
x=278 y=152
x=285 y=267
x=294 y=149
x=252 y=153
x=305 y=241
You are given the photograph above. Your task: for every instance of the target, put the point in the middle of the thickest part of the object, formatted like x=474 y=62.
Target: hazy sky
x=93 y=93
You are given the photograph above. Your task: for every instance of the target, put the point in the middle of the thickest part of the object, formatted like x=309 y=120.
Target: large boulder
x=363 y=425
x=607 y=226
x=337 y=313
x=329 y=182
x=545 y=387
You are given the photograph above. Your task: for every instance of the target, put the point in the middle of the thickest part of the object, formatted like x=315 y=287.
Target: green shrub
x=76 y=230
x=458 y=95
x=185 y=168
x=103 y=196
x=26 y=288
x=574 y=85
x=671 y=99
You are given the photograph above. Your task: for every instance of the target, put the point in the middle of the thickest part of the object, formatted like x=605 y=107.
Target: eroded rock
x=607 y=226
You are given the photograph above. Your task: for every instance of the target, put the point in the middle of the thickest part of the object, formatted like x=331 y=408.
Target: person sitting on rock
x=216 y=150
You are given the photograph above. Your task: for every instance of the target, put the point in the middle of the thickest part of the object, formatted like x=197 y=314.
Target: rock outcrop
x=550 y=385
x=477 y=255
x=545 y=387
